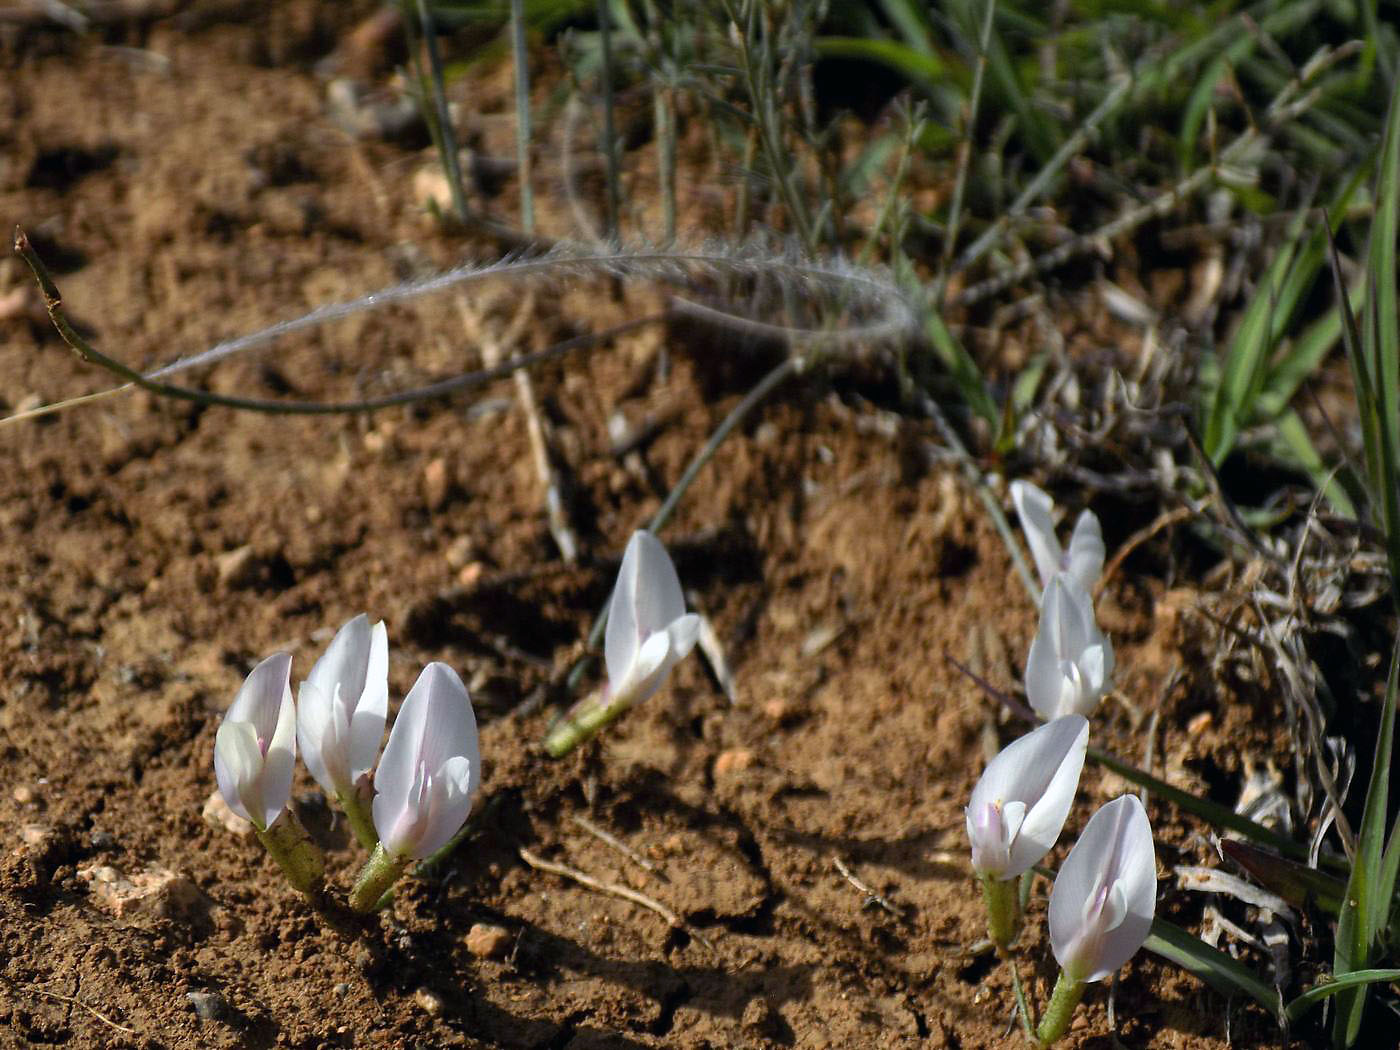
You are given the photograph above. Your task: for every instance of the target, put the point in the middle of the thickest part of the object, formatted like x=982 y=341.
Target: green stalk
x=359 y=817
x=1003 y=910
x=300 y=859
x=376 y=878
x=589 y=716
x=1060 y=1009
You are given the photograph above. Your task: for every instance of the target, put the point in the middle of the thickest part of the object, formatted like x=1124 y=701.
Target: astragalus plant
x=421 y=793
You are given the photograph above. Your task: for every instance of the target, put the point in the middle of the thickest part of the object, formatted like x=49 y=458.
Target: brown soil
x=155 y=550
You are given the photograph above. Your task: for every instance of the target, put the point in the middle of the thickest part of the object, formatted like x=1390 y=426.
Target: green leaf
x=1296 y=883
x=1368 y=895
x=1211 y=812
x=966 y=375
x=1314 y=995
x=1222 y=972
x=924 y=69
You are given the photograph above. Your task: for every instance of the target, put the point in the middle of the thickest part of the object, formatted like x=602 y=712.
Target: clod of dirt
x=156 y=893
x=760 y=1017
x=488 y=942
x=208 y=1006
x=217 y=814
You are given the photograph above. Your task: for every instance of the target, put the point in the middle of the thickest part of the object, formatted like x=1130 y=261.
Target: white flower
x=342 y=705
x=1105 y=894
x=1071 y=661
x=1019 y=806
x=649 y=631
x=1084 y=558
x=256 y=746
x=431 y=767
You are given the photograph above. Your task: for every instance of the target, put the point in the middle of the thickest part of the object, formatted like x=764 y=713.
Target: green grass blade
x=1296 y=446
x=1222 y=972
x=1314 y=995
x=925 y=70
x=1244 y=365
x=966 y=375
x=1368 y=896
x=1211 y=812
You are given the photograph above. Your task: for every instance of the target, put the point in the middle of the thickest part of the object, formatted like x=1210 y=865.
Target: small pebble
x=209 y=1006
x=24 y=794
x=437 y=484
x=102 y=840
x=486 y=941
x=34 y=834
x=735 y=760
x=429 y=1002
x=341 y=990
x=460 y=553
x=238 y=567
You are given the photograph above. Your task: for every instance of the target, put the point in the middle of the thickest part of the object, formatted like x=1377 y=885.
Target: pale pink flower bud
x=256 y=745
x=1105 y=894
x=1020 y=804
x=342 y=705
x=1083 y=560
x=649 y=631
x=1071 y=661
x=431 y=767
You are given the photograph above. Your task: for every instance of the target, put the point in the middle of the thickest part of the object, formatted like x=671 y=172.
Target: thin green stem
x=965 y=151
x=1003 y=910
x=588 y=717
x=1060 y=1009
x=359 y=817
x=376 y=878
x=444 y=137
x=520 y=56
x=53 y=303
x=1027 y=1021
x=610 y=157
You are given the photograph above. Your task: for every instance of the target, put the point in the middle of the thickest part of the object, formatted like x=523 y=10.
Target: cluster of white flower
x=1104 y=896
x=422 y=791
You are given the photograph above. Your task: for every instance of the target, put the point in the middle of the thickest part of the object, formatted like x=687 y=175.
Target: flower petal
x=1084 y=559
x=1114 y=858
x=280 y=759
x=259 y=698
x=238 y=765
x=435 y=727
x=1033 y=507
x=367 y=721
x=394 y=779
x=1040 y=770
x=343 y=663
x=647 y=598
x=453 y=788
x=1063 y=749
x=315 y=732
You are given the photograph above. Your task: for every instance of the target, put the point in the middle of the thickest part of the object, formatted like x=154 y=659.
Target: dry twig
x=613 y=889
x=610 y=840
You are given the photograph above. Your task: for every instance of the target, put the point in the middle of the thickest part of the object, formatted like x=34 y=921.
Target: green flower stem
x=357 y=815
x=1063 y=1000
x=589 y=716
x=1003 y=910
x=380 y=872
x=300 y=859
